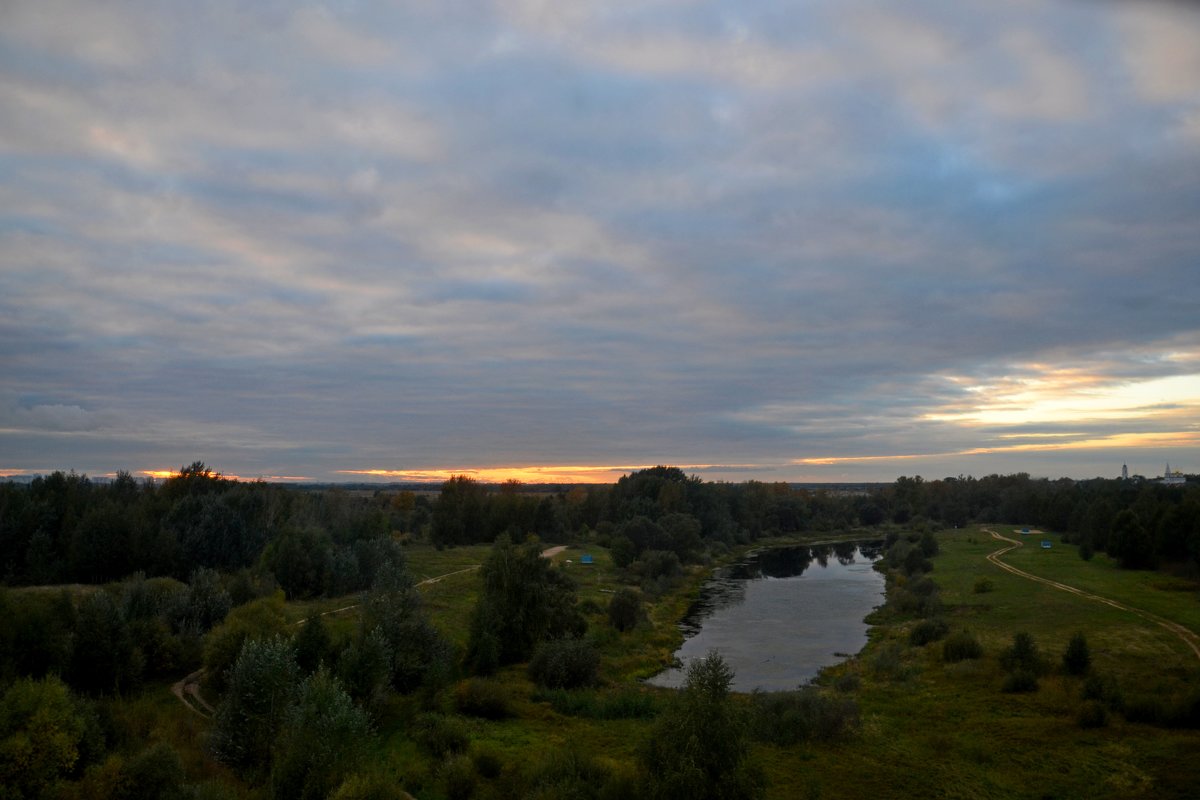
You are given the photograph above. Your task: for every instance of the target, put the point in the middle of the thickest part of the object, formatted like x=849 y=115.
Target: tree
x=699 y=748
x=312 y=644
x=393 y=608
x=40 y=737
x=1077 y=659
x=524 y=600
x=1130 y=542
x=323 y=739
x=262 y=685
x=625 y=609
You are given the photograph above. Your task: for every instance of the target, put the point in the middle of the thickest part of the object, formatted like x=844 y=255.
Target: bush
x=928 y=630
x=1077 y=659
x=961 y=646
x=887 y=663
x=1092 y=714
x=481 y=697
x=849 y=682
x=1105 y=689
x=440 y=736
x=983 y=585
x=785 y=718
x=625 y=704
x=458 y=775
x=1022 y=655
x=564 y=664
x=1022 y=680
x=625 y=610
x=487 y=764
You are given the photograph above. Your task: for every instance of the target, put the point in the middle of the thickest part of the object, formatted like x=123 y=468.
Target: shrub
x=887 y=663
x=564 y=664
x=487 y=764
x=1078 y=658
x=983 y=585
x=1092 y=714
x=1105 y=689
x=928 y=630
x=626 y=704
x=1021 y=680
x=848 y=682
x=482 y=697
x=625 y=610
x=961 y=646
x=458 y=775
x=785 y=718
x=1022 y=655
x=440 y=736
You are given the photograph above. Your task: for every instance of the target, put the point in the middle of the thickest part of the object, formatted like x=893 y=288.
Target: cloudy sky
x=814 y=241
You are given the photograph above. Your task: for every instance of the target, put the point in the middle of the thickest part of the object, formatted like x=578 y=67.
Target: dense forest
x=193 y=573
x=65 y=528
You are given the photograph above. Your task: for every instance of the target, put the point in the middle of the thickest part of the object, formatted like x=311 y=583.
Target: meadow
x=928 y=728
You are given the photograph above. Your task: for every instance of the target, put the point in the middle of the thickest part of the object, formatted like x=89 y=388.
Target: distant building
x=1124 y=472
x=1173 y=478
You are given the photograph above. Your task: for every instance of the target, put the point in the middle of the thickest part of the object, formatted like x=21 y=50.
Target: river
x=782 y=614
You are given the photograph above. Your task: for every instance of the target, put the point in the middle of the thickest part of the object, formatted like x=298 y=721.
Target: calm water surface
x=782 y=614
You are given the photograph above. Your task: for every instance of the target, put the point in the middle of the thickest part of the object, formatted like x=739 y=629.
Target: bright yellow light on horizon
x=1112 y=441
x=569 y=473
x=1055 y=396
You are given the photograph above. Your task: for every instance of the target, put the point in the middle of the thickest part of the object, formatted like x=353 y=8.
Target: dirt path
x=551 y=552
x=187 y=688
x=1189 y=637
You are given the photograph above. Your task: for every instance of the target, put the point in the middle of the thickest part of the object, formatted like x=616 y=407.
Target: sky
x=557 y=241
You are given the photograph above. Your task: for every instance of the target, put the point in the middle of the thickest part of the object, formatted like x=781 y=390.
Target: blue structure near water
x=586 y=558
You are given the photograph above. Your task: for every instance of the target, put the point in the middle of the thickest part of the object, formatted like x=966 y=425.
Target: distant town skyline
x=838 y=241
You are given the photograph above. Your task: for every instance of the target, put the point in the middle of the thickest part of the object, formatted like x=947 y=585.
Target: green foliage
x=103 y=657
x=570 y=773
x=524 y=600
x=1092 y=714
x=155 y=773
x=928 y=630
x=365 y=668
x=41 y=733
x=699 y=746
x=1023 y=655
x=564 y=664
x=624 y=704
x=961 y=646
x=313 y=645
x=440 y=736
x=1077 y=659
x=807 y=714
x=262 y=684
x=393 y=607
x=323 y=738
x=369 y=787
x=983 y=585
x=1020 y=680
x=458 y=777
x=256 y=620
x=481 y=697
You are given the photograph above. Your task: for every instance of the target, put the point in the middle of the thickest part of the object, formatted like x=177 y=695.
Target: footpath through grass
x=933 y=729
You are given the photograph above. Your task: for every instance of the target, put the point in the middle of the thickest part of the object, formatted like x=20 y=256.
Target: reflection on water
x=782 y=614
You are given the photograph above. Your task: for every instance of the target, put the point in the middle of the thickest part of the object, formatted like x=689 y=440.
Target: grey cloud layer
x=295 y=238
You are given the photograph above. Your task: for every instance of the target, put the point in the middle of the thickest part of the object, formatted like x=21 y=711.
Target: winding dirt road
x=1189 y=637
x=187 y=688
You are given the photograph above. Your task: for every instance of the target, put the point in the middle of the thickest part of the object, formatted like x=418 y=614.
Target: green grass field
x=929 y=729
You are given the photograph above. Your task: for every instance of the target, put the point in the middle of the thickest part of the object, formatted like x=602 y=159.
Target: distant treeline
x=66 y=528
